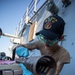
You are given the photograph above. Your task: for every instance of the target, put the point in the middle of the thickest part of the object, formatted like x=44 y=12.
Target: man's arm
x=30 y=46
x=59 y=67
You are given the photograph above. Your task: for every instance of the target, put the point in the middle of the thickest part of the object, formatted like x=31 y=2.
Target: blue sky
x=11 y=12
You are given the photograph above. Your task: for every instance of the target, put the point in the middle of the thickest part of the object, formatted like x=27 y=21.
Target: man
x=49 y=36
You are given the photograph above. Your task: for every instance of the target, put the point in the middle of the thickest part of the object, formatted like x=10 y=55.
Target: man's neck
x=55 y=48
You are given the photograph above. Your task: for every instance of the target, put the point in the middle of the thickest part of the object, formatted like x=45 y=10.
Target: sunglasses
x=48 y=42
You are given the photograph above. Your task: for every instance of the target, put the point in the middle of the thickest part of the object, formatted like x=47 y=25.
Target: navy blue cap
x=53 y=27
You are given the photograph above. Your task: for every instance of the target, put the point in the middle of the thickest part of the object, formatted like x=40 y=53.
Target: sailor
x=48 y=42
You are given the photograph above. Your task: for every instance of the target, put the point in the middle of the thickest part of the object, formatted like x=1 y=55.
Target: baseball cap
x=53 y=27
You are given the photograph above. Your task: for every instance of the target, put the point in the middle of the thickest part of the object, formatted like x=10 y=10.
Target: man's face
x=50 y=47
x=48 y=43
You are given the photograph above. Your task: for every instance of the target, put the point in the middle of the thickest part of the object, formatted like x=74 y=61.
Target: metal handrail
x=30 y=14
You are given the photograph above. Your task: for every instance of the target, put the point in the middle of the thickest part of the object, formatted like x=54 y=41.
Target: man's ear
x=61 y=38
